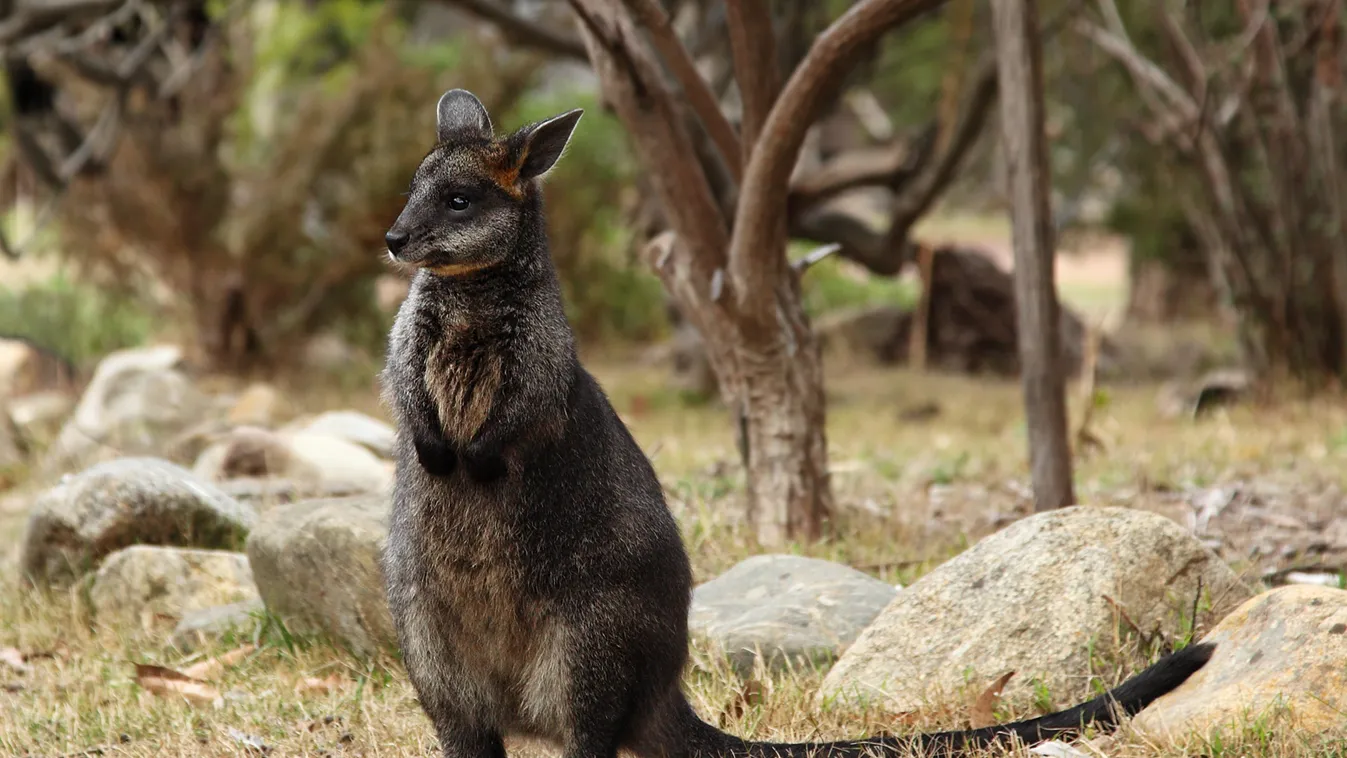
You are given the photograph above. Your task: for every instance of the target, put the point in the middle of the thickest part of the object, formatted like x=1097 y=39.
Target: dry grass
x=911 y=494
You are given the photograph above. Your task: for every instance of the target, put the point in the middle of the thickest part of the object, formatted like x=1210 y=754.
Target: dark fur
x=542 y=589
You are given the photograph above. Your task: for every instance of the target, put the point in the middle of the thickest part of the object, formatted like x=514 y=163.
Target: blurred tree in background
x=245 y=186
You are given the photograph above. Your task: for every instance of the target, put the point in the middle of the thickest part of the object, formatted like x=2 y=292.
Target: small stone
x=790 y=609
x=1277 y=656
x=168 y=581
x=136 y=401
x=258 y=405
x=200 y=627
x=316 y=462
x=352 y=426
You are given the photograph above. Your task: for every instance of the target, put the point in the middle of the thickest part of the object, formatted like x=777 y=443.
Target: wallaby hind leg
x=461 y=740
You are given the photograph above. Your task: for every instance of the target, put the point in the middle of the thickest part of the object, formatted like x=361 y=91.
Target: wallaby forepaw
x=484 y=466
x=437 y=457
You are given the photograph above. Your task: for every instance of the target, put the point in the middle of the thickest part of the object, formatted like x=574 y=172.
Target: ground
x=913 y=488
x=911 y=494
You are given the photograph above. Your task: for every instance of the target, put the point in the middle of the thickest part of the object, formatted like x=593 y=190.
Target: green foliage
x=77 y=321
x=608 y=293
x=833 y=284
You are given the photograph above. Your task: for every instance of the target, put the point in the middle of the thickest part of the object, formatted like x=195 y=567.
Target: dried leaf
x=314 y=684
x=213 y=667
x=14 y=659
x=984 y=709
x=166 y=682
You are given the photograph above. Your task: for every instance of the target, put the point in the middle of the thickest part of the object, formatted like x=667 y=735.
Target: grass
x=910 y=496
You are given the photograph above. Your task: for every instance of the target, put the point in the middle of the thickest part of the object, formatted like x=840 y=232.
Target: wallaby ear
x=544 y=142
x=459 y=111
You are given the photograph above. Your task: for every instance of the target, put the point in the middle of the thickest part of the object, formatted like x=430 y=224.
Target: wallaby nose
x=396 y=241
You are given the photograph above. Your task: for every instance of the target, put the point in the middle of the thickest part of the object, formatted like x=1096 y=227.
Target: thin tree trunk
x=1020 y=66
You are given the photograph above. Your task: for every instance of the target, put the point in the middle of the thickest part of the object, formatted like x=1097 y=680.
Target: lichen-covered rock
x=789 y=609
x=168 y=581
x=316 y=564
x=123 y=502
x=1033 y=598
x=1280 y=655
x=206 y=625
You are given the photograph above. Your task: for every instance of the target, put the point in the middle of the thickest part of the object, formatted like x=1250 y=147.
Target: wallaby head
x=471 y=193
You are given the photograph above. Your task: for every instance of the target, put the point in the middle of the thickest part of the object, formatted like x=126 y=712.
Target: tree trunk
x=770 y=379
x=1020 y=66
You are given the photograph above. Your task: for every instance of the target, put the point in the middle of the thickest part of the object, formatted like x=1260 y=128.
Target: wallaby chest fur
x=536 y=578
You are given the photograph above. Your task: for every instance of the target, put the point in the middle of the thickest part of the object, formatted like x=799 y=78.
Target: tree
x=1247 y=104
x=1020 y=64
x=732 y=191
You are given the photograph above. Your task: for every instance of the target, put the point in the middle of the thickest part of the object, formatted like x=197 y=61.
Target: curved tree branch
x=753 y=47
x=759 y=236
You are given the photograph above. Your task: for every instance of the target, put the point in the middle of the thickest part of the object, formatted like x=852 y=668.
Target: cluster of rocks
x=211 y=545
x=173 y=482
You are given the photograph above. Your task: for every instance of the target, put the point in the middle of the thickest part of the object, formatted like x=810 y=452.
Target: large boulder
x=791 y=610
x=316 y=564
x=129 y=501
x=168 y=581
x=1035 y=598
x=316 y=461
x=136 y=401
x=1282 y=654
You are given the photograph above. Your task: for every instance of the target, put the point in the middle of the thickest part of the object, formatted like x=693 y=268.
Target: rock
x=351 y=426
x=257 y=406
x=263 y=493
x=793 y=610
x=123 y=502
x=329 y=353
x=199 y=627
x=1282 y=653
x=1215 y=389
x=39 y=415
x=317 y=462
x=13 y=448
x=136 y=400
x=316 y=564
x=168 y=580
x=864 y=330
x=1033 y=598
x=26 y=368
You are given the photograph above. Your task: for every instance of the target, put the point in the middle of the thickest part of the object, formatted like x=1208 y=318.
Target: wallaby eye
x=458 y=203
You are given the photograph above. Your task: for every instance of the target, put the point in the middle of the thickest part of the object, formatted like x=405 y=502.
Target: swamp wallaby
x=537 y=579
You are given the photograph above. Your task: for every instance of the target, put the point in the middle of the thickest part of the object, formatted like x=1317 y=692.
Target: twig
x=1145 y=638
x=814 y=256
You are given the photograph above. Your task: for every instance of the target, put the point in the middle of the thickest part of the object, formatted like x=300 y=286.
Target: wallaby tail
x=705 y=741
